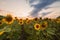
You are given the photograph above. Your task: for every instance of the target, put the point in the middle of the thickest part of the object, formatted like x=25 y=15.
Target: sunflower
x=21 y=22
x=40 y=18
x=36 y=19
x=57 y=20
x=46 y=18
x=20 y=19
x=16 y=18
x=8 y=19
x=50 y=19
x=1 y=32
x=44 y=25
x=37 y=26
x=28 y=21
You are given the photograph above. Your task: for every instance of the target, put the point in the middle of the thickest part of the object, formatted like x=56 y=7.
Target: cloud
x=52 y=15
x=45 y=13
x=39 y=6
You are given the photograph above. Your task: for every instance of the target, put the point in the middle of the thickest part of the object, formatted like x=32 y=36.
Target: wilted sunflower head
x=44 y=25
x=8 y=19
x=37 y=26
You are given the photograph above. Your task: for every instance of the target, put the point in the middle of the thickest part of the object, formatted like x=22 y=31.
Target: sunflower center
x=9 y=19
x=37 y=26
x=20 y=22
x=36 y=19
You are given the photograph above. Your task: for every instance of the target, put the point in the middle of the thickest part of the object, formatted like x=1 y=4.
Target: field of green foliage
x=29 y=29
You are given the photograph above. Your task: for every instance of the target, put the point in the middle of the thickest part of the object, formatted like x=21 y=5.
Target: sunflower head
x=20 y=19
x=36 y=19
x=45 y=18
x=40 y=18
x=44 y=25
x=16 y=18
x=50 y=19
x=37 y=26
x=8 y=19
x=21 y=22
x=28 y=21
x=58 y=21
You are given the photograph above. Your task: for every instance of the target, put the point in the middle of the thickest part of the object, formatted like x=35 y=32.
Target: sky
x=30 y=8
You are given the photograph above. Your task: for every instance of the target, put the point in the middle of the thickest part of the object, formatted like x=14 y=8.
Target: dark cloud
x=38 y=7
x=45 y=13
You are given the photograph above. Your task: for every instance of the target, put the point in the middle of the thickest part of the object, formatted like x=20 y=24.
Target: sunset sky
x=33 y=8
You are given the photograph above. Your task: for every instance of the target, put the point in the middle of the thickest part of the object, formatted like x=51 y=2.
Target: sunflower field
x=29 y=29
